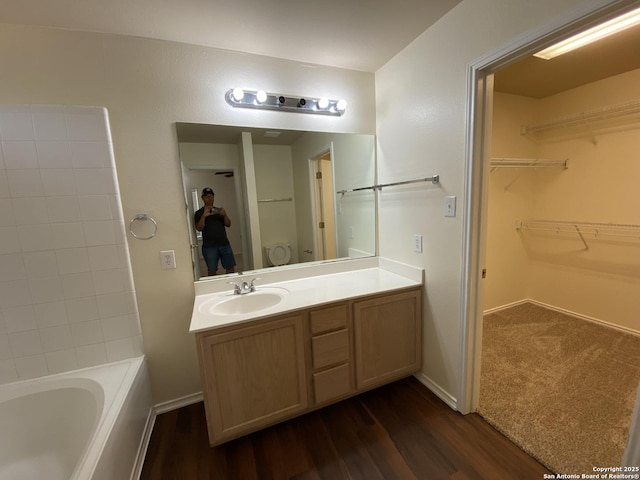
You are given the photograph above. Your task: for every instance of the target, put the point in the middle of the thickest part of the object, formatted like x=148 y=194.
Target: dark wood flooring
x=399 y=431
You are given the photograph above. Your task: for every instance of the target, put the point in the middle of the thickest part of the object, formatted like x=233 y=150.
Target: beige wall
x=422 y=101
x=602 y=282
x=147 y=86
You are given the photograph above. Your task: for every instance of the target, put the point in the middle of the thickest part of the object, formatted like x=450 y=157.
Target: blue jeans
x=222 y=253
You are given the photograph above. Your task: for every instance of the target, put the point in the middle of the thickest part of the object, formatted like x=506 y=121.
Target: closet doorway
x=571 y=172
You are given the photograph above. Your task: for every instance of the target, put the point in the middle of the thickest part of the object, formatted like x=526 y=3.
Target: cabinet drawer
x=332 y=383
x=330 y=348
x=328 y=319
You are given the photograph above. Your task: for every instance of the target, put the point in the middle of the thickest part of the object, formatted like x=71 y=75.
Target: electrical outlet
x=450 y=206
x=167 y=259
x=417 y=243
x=352 y=232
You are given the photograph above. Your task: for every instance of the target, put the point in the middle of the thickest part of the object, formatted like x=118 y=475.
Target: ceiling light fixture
x=262 y=100
x=591 y=35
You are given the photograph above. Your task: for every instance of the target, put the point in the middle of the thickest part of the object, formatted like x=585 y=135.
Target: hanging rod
x=527 y=162
x=584 y=118
x=582 y=228
x=268 y=200
x=434 y=179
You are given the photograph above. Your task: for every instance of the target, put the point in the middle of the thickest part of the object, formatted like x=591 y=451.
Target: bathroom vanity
x=320 y=339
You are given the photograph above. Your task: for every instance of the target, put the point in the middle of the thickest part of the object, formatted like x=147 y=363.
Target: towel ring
x=142 y=217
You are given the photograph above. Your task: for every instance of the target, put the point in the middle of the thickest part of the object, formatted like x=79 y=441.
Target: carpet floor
x=560 y=387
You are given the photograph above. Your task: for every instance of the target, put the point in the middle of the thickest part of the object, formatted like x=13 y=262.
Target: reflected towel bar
x=434 y=179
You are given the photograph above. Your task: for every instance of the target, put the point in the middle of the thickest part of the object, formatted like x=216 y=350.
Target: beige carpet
x=561 y=388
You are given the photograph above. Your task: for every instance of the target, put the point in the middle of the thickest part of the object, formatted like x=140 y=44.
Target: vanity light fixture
x=591 y=35
x=259 y=99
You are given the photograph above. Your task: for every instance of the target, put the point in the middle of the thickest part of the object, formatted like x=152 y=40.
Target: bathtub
x=86 y=424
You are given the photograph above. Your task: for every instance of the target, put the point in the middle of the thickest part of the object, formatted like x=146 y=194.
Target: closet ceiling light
x=262 y=100
x=591 y=35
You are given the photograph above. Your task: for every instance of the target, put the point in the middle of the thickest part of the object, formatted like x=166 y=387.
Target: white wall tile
x=72 y=260
x=110 y=281
x=119 y=349
x=30 y=211
x=50 y=314
x=56 y=338
x=9 y=240
x=25 y=343
x=78 y=285
x=15 y=293
x=116 y=327
x=82 y=309
x=5 y=348
x=85 y=333
x=90 y=355
x=46 y=289
x=87 y=127
x=49 y=126
x=54 y=155
x=2 y=166
x=25 y=183
x=95 y=207
x=67 y=235
x=19 y=319
x=12 y=267
x=35 y=238
x=8 y=372
x=7 y=218
x=58 y=182
x=117 y=304
x=16 y=126
x=100 y=233
x=105 y=257
x=90 y=155
x=61 y=361
x=31 y=367
x=95 y=181
x=63 y=209
x=20 y=155
x=40 y=264
x=4 y=185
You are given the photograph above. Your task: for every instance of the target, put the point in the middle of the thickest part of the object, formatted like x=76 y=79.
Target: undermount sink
x=230 y=304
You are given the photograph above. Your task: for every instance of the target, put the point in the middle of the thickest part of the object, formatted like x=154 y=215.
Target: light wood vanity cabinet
x=261 y=372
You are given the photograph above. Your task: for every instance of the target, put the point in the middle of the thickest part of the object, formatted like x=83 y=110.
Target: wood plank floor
x=399 y=431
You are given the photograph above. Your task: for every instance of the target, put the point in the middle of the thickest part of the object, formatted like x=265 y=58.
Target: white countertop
x=310 y=291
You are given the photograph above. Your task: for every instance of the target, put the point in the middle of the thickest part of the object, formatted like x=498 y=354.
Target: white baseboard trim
x=587 y=318
x=154 y=411
x=565 y=311
x=437 y=390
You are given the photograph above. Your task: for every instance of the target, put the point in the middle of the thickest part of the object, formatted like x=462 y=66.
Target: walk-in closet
x=561 y=329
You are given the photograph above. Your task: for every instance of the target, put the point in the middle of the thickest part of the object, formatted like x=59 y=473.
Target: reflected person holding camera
x=212 y=222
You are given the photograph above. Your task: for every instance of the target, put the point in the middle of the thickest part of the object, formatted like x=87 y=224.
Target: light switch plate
x=450 y=206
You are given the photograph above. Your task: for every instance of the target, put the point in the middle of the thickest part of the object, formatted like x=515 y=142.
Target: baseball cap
x=207 y=191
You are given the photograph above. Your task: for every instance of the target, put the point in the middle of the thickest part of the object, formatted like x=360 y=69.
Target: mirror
x=280 y=190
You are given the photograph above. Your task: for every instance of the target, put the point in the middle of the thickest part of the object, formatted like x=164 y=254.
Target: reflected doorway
x=324 y=222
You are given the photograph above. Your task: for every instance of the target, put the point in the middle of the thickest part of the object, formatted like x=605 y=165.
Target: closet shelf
x=597 y=230
x=587 y=118
x=528 y=163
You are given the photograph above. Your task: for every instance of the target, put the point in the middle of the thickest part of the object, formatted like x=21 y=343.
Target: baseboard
x=154 y=411
x=441 y=393
x=586 y=318
x=504 y=307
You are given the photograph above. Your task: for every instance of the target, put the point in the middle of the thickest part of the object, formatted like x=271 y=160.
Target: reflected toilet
x=278 y=254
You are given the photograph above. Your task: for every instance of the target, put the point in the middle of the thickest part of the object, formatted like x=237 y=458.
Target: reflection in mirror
x=279 y=190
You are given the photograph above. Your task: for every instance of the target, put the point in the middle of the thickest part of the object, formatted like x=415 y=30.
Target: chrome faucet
x=244 y=287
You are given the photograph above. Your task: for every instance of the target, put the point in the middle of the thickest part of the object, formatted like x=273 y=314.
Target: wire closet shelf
x=591 y=229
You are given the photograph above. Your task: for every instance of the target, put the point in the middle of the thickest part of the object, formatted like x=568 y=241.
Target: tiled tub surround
x=67 y=299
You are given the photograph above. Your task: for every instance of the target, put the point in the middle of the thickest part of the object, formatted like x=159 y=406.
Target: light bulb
x=238 y=94
x=261 y=96
x=341 y=105
x=323 y=103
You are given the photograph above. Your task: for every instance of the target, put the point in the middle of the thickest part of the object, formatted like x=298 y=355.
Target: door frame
x=477 y=150
x=318 y=245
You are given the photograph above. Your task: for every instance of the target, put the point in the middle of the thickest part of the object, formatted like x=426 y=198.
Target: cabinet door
x=253 y=377
x=388 y=338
